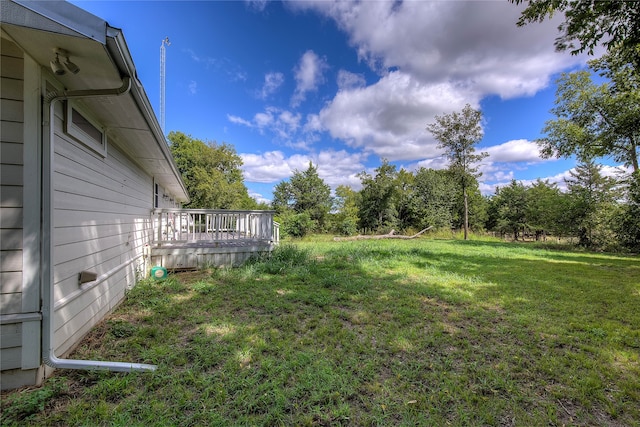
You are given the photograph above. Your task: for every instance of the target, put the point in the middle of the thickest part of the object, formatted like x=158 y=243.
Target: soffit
x=130 y=123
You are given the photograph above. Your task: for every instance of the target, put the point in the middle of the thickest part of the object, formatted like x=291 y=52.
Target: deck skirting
x=198 y=255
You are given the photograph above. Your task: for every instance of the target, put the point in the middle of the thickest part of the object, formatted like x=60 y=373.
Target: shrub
x=347 y=227
x=297 y=225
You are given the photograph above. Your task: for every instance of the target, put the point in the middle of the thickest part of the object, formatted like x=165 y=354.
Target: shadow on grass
x=570 y=311
x=374 y=333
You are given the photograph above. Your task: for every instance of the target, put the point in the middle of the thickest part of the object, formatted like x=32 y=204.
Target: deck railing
x=213 y=225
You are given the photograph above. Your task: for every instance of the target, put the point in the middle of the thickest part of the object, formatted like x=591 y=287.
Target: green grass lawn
x=418 y=332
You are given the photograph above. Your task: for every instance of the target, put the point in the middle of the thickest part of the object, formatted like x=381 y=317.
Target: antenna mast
x=162 y=67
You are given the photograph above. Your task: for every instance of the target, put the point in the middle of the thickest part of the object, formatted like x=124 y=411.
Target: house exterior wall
x=20 y=316
x=11 y=180
x=11 y=199
x=101 y=222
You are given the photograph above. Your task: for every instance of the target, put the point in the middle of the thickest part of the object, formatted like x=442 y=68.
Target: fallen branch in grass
x=390 y=235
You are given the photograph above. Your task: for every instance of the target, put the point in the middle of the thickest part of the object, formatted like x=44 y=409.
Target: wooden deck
x=199 y=238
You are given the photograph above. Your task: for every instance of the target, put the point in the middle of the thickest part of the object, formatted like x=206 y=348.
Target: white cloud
x=272 y=82
x=263 y=120
x=433 y=163
x=519 y=150
x=503 y=176
x=496 y=174
x=349 y=80
x=560 y=179
x=283 y=124
x=615 y=171
x=472 y=43
x=313 y=123
x=432 y=57
x=289 y=120
x=340 y=167
x=334 y=167
x=237 y=74
x=507 y=158
x=193 y=87
x=266 y=167
x=257 y=5
x=239 y=120
x=259 y=197
x=308 y=75
x=606 y=170
x=487 y=189
x=389 y=118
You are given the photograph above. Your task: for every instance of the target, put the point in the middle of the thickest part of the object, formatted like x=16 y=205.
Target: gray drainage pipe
x=48 y=350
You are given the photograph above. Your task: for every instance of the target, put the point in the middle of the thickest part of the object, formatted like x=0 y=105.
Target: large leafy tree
x=628 y=220
x=211 y=172
x=377 y=197
x=404 y=199
x=595 y=120
x=304 y=193
x=511 y=204
x=545 y=208
x=592 y=204
x=345 y=206
x=476 y=207
x=589 y=23
x=458 y=133
x=435 y=198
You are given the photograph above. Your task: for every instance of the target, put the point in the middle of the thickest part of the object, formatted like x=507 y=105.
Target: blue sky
x=345 y=84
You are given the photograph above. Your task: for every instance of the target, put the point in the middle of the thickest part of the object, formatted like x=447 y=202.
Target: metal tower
x=165 y=42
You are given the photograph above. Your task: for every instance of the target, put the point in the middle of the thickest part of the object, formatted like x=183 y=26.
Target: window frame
x=72 y=129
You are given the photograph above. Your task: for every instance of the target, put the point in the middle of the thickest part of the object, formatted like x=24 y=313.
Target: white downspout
x=48 y=350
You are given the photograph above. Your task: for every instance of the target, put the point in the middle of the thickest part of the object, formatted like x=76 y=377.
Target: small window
x=85 y=130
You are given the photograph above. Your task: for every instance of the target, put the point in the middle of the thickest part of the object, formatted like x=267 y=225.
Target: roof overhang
x=101 y=52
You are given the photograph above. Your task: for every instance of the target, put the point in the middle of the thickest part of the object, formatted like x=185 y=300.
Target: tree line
x=596 y=211
x=592 y=121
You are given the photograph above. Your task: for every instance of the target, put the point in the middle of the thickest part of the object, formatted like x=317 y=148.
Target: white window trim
x=79 y=135
x=156 y=194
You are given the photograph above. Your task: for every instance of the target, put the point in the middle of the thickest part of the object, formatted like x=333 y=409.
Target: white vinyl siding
x=11 y=199
x=101 y=223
